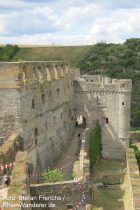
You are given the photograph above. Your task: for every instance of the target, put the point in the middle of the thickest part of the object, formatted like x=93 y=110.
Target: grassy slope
x=70 y=53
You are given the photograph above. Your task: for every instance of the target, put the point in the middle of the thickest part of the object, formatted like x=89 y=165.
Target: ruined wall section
x=133 y=178
x=47 y=106
x=10 y=106
x=113 y=109
x=85 y=103
x=36 y=101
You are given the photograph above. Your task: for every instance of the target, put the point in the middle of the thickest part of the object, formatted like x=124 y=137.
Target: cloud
x=117 y=27
x=68 y=22
x=119 y=4
x=46 y=39
x=14 y=5
x=40 y=1
x=29 y=21
x=79 y=16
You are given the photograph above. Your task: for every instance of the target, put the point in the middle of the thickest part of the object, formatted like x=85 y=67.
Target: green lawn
x=113 y=197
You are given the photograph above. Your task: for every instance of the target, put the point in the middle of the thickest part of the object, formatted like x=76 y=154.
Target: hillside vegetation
x=117 y=61
x=7 y=52
x=50 y=53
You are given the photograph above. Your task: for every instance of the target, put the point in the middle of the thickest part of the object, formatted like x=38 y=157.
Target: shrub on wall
x=52 y=176
x=95 y=145
x=137 y=153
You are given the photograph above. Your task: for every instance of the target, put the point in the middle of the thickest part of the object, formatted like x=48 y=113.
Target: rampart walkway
x=66 y=161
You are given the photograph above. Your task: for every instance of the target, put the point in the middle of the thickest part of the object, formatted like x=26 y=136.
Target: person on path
x=6 y=180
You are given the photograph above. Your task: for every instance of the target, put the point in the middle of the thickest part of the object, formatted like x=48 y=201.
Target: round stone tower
x=124 y=96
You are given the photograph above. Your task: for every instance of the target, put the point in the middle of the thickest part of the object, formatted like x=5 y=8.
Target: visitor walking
x=6 y=180
x=79 y=136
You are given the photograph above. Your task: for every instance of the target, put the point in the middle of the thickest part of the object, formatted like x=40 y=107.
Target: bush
x=7 y=52
x=137 y=153
x=52 y=176
x=135 y=148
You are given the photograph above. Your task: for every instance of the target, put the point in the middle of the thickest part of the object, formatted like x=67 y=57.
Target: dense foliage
x=7 y=52
x=95 y=145
x=117 y=61
x=52 y=176
x=137 y=153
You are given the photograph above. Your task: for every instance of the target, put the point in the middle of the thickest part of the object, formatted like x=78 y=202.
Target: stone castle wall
x=10 y=107
x=109 y=101
x=9 y=149
x=135 y=136
x=134 y=179
x=19 y=186
x=41 y=100
x=72 y=192
x=15 y=163
x=37 y=102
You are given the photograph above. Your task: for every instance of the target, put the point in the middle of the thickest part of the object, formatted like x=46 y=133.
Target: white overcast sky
x=68 y=22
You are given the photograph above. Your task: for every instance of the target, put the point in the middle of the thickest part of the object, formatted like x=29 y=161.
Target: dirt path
x=67 y=159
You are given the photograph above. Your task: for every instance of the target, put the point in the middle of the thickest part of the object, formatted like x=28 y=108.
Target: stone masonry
x=108 y=100
x=41 y=101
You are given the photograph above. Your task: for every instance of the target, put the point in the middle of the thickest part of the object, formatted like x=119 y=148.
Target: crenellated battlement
x=105 y=85
x=16 y=74
x=111 y=99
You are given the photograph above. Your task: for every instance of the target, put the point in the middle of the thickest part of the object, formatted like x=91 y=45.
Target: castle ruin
x=41 y=101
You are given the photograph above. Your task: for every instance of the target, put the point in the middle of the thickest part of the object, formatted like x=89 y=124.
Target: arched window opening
x=67 y=69
x=46 y=126
x=36 y=132
x=54 y=118
x=24 y=70
x=36 y=141
x=50 y=93
x=58 y=91
x=33 y=103
x=34 y=73
x=68 y=86
x=48 y=73
x=106 y=119
x=43 y=98
x=40 y=75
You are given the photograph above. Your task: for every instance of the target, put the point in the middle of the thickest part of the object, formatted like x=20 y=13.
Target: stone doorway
x=80 y=121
